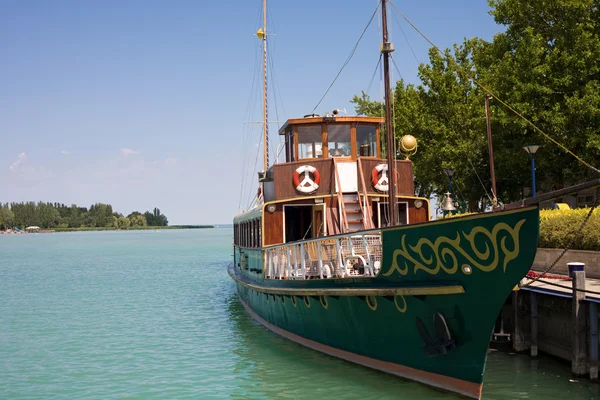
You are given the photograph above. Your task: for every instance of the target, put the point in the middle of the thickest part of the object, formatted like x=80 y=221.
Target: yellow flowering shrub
x=558 y=229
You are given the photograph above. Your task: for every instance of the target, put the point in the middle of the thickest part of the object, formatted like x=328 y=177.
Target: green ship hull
x=429 y=313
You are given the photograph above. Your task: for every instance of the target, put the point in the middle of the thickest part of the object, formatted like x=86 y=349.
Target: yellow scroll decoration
x=443 y=255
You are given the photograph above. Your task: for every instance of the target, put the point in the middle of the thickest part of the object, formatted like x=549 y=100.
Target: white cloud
x=65 y=152
x=127 y=152
x=20 y=158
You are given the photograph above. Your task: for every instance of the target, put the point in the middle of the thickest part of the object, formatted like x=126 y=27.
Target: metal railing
x=348 y=256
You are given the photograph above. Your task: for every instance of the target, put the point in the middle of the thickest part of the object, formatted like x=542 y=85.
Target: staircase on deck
x=354 y=208
x=354 y=212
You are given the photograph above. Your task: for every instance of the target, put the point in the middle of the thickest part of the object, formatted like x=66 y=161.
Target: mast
x=491 y=149
x=386 y=49
x=262 y=35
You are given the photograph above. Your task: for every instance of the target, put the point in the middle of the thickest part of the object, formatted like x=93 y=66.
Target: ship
x=338 y=254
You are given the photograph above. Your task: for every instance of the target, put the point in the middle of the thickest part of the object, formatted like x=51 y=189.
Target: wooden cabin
x=333 y=181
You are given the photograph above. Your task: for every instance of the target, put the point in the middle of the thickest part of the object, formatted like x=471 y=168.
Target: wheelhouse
x=325 y=202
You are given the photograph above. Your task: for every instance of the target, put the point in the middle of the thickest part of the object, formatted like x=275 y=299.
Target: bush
x=559 y=229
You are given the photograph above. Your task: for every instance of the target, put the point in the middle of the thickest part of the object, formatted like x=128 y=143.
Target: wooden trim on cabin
x=338 y=119
x=353 y=141
x=295 y=134
x=324 y=142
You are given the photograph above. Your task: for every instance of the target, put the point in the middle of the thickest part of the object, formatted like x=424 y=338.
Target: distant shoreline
x=137 y=228
x=98 y=229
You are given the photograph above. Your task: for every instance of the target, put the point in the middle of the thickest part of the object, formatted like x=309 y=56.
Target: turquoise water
x=154 y=315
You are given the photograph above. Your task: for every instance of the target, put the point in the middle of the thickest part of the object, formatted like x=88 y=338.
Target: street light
x=531 y=150
x=450 y=173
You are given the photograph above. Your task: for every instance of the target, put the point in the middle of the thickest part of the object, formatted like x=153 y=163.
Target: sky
x=147 y=103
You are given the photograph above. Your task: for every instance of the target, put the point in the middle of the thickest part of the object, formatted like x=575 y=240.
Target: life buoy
x=307 y=185
x=382 y=183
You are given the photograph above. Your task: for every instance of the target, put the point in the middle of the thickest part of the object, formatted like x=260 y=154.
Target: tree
x=546 y=66
x=100 y=215
x=121 y=222
x=155 y=218
x=7 y=218
x=137 y=220
x=75 y=217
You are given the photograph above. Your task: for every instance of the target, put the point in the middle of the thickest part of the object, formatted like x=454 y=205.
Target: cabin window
x=310 y=141
x=338 y=138
x=366 y=140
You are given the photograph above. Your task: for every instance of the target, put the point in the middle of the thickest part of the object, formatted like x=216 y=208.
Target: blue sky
x=143 y=104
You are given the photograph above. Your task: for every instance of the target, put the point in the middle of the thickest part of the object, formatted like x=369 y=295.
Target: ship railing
x=347 y=256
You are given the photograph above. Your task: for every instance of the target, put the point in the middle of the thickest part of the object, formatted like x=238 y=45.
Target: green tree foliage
x=545 y=65
x=7 y=217
x=137 y=220
x=55 y=215
x=122 y=223
x=155 y=218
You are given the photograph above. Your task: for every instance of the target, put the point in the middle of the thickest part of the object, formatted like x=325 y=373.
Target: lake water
x=154 y=315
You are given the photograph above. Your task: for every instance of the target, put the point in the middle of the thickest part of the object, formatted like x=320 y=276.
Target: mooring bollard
x=579 y=358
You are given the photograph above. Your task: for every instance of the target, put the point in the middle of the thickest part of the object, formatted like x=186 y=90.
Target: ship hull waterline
x=429 y=314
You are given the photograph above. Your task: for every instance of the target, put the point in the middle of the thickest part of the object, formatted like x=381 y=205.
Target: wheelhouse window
x=310 y=141
x=366 y=140
x=338 y=138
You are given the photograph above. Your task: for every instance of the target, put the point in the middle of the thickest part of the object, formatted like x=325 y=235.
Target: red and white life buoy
x=308 y=184
x=382 y=183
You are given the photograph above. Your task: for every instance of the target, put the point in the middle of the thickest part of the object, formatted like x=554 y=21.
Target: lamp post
x=531 y=150
x=450 y=174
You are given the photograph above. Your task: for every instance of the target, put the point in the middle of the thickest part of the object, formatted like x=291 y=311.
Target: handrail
x=348 y=256
x=340 y=198
x=368 y=218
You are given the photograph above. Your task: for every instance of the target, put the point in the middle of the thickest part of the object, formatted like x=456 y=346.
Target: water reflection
x=268 y=367
x=511 y=376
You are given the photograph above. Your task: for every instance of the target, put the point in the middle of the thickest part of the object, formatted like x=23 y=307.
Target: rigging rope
x=490 y=92
x=246 y=140
x=374 y=73
x=349 y=57
x=448 y=119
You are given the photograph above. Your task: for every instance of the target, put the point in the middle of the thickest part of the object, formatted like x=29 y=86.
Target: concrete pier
x=559 y=318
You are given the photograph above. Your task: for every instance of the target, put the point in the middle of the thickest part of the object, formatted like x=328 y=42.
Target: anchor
x=442 y=343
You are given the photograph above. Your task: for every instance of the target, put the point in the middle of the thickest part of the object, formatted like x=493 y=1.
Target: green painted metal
x=487 y=254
